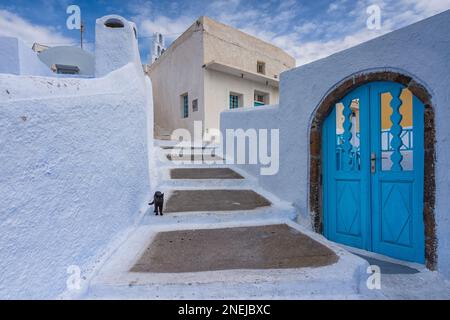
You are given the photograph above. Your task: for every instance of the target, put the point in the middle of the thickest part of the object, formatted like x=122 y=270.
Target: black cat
x=158 y=201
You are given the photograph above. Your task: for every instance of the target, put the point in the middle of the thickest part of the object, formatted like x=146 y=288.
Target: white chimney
x=116 y=44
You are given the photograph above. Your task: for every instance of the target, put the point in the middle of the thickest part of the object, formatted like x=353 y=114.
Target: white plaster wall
x=230 y=46
x=178 y=71
x=74 y=173
x=115 y=47
x=219 y=85
x=16 y=58
x=9 y=55
x=421 y=50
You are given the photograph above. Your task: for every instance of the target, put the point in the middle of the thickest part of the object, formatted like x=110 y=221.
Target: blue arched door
x=373 y=160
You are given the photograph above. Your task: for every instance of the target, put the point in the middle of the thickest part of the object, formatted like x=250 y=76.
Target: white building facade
x=210 y=68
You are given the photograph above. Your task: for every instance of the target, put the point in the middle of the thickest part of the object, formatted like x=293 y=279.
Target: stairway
x=196 y=191
x=205 y=203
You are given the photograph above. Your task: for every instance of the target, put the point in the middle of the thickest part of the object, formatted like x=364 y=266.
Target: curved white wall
x=74 y=172
x=421 y=50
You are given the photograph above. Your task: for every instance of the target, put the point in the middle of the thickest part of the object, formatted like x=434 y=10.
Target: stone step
x=214 y=200
x=269 y=215
x=168 y=184
x=204 y=173
x=255 y=247
x=264 y=261
x=187 y=148
x=194 y=157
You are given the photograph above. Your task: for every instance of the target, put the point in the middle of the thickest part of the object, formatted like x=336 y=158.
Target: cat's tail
x=152 y=203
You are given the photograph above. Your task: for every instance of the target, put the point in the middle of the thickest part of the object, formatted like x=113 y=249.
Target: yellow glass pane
x=406 y=110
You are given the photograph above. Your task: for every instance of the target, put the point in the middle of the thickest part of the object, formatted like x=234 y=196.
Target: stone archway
x=315 y=150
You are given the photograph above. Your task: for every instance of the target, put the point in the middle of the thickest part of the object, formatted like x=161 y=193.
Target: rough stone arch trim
x=315 y=150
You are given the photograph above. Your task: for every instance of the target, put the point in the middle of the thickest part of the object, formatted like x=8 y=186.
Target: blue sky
x=308 y=30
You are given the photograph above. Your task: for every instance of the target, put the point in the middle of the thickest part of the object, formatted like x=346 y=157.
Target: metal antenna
x=81 y=33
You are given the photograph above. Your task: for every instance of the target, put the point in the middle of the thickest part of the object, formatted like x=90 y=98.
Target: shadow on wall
x=74 y=166
x=298 y=152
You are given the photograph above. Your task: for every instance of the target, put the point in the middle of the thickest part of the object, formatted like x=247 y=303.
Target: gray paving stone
x=387 y=267
x=262 y=247
x=204 y=173
x=187 y=148
x=194 y=157
x=214 y=200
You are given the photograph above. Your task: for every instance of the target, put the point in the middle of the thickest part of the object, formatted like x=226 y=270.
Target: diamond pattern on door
x=396 y=214
x=376 y=204
x=348 y=212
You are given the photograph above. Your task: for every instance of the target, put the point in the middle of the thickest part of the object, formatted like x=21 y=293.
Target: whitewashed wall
x=421 y=50
x=115 y=47
x=74 y=173
x=16 y=58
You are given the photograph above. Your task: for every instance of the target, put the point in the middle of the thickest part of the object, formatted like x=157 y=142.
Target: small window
x=65 y=69
x=261 y=67
x=114 y=23
x=185 y=106
x=235 y=100
x=195 y=105
x=261 y=99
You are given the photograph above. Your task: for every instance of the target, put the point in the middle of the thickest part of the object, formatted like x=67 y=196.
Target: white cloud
x=12 y=25
x=306 y=27
x=426 y=8
x=169 y=26
x=348 y=33
x=224 y=5
x=314 y=50
x=307 y=37
x=336 y=6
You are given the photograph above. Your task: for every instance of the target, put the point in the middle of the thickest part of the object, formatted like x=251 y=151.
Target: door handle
x=373 y=162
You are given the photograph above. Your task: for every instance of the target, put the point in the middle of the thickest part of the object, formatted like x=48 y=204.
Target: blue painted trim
x=391 y=201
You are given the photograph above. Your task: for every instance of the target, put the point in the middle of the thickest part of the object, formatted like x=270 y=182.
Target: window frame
x=265 y=98
x=195 y=105
x=184 y=105
x=261 y=64
x=237 y=100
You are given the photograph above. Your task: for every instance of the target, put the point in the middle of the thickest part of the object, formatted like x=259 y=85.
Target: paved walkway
x=215 y=200
x=204 y=173
x=224 y=237
x=233 y=248
x=193 y=157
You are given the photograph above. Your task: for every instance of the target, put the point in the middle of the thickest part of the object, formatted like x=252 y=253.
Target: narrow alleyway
x=222 y=236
